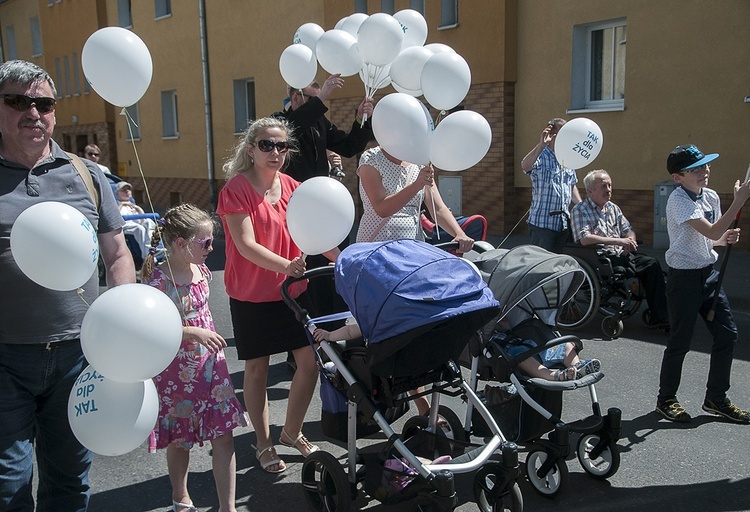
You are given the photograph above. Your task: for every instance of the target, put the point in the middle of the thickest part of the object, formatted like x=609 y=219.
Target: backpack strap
x=85 y=174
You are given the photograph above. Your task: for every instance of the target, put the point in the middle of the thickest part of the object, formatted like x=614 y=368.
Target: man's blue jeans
x=35 y=382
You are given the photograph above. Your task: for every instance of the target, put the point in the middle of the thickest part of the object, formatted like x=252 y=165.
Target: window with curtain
x=133 y=118
x=599 y=65
x=163 y=8
x=124 y=16
x=169 y=119
x=36 y=37
x=244 y=103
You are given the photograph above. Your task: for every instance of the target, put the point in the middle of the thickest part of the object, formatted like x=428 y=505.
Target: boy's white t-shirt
x=688 y=249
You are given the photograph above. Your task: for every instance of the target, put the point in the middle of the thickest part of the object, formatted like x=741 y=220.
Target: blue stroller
x=532 y=285
x=417 y=306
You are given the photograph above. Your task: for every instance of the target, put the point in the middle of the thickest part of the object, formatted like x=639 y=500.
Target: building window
x=448 y=13
x=10 y=37
x=133 y=118
x=36 y=37
x=76 y=76
x=66 y=64
x=387 y=6
x=417 y=5
x=58 y=77
x=599 y=65
x=360 y=6
x=124 y=16
x=163 y=8
x=169 y=119
x=244 y=103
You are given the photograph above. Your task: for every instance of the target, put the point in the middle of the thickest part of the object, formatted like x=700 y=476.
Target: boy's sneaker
x=673 y=410
x=586 y=367
x=727 y=410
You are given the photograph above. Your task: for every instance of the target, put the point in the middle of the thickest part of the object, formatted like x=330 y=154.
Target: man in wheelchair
x=597 y=220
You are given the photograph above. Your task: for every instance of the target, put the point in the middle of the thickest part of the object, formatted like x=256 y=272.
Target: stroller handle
x=453 y=246
x=301 y=313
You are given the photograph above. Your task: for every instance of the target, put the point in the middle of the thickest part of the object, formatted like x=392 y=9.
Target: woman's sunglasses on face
x=267 y=146
x=23 y=103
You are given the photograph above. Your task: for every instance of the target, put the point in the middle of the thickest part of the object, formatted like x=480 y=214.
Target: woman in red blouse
x=260 y=255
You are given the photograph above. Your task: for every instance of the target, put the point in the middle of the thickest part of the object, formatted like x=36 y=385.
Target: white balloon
x=298 y=65
x=110 y=417
x=460 y=141
x=338 y=53
x=414 y=27
x=135 y=346
x=339 y=25
x=402 y=126
x=398 y=88
x=375 y=77
x=308 y=34
x=352 y=23
x=445 y=80
x=406 y=68
x=118 y=65
x=55 y=245
x=439 y=48
x=320 y=214
x=578 y=143
x=379 y=39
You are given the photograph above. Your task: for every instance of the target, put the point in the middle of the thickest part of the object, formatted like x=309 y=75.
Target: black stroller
x=417 y=306
x=532 y=284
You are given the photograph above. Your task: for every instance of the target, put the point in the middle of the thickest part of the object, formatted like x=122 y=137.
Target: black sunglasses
x=23 y=103
x=267 y=146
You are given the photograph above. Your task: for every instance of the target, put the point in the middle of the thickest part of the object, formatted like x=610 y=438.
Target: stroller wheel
x=605 y=464
x=611 y=327
x=550 y=484
x=438 y=443
x=325 y=483
x=509 y=500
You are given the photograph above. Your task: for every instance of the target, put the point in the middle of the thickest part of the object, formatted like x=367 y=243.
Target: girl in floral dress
x=196 y=397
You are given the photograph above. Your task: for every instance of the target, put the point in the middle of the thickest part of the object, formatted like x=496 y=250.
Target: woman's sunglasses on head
x=23 y=103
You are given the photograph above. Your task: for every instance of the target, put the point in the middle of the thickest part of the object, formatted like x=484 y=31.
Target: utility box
x=661 y=194
x=450 y=191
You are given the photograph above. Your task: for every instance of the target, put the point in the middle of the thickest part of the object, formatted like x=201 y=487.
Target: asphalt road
x=701 y=466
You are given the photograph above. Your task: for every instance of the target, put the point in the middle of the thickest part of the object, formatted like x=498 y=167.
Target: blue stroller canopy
x=397 y=286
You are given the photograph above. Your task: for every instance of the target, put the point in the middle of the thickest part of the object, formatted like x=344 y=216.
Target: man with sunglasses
x=553 y=187
x=695 y=225
x=93 y=153
x=40 y=350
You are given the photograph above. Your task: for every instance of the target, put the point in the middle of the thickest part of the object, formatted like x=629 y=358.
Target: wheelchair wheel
x=325 y=483
x=510 y=500
x=579 y=311
x=611 y=327
x=553 y=482
x=605 y=465
x=625 y=300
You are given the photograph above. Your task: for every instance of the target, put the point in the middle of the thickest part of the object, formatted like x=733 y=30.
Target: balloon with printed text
x=578 y=143
x=55 y=245
x=109 y=417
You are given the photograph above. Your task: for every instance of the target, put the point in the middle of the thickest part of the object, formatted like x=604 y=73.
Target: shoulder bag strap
x=85 y=174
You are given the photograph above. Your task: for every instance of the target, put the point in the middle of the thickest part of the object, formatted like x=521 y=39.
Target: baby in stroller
x=557 y=363
x=528 y=367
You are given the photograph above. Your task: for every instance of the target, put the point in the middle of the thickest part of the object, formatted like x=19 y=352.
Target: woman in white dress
x=392 y=193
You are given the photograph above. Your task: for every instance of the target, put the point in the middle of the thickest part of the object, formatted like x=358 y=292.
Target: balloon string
x=79 y=291
x=130 y=120
x=514 y=228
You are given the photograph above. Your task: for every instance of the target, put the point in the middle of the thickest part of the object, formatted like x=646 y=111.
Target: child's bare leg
x=423 y=405
x=224 y=469
x=571 y=356
x=178 y=461
x=533 y=368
